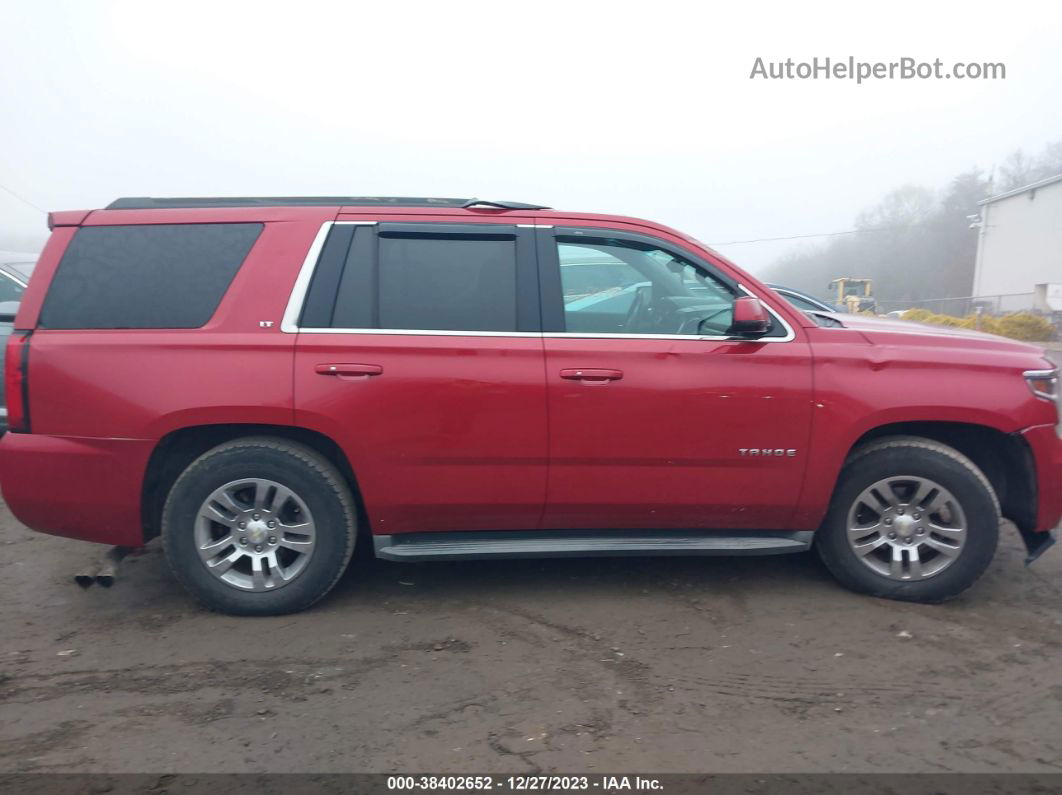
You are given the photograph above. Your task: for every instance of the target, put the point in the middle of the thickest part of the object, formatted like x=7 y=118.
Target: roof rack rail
x=149 y=203
x=504 y=205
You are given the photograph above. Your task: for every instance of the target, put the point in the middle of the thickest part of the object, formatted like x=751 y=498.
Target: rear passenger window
x=425 y=281
x=145 y=276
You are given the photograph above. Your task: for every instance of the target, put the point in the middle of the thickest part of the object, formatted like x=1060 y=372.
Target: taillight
x=16 y=361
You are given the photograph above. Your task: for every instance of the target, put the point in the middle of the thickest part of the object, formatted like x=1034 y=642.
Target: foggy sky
x=644 y=109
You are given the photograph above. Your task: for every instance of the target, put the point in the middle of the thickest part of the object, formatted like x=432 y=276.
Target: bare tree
x=1018 y=170
x=915 y=244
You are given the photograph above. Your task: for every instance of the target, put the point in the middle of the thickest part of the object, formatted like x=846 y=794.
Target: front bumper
x=1046 y=447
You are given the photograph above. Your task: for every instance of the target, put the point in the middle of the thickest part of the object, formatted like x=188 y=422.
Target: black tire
x=318 y=484
x=898 y=456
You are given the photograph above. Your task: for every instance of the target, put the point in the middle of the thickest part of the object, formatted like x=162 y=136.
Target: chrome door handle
x=591 y=375
x=349 y=370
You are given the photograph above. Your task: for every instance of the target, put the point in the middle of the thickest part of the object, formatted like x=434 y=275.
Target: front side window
x=614 y=286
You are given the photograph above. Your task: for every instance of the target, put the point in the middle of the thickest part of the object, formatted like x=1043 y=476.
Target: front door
x=657 y=418
x=419 y=352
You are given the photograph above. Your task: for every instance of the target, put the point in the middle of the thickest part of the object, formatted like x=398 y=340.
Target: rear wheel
x=911 y=519
x=259 y=526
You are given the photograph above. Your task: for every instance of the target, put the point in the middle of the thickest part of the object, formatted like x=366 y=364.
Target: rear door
x=419 y=350
x=657 y=418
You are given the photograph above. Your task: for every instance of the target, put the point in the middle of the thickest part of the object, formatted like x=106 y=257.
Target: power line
x=23 y=200
x=820 y=234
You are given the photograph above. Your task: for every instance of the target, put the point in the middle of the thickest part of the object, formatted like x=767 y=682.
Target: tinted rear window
x=429 y=282
x=145 y=276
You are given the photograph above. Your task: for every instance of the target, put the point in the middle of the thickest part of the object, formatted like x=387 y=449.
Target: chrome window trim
x=289 y=323
x=419 y=332
x=689 y=337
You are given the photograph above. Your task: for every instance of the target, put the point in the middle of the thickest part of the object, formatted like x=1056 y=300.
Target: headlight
x=1044 y=384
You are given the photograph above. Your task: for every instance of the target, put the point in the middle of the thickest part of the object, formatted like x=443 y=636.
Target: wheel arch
x=1004 y=458
x=179 y=448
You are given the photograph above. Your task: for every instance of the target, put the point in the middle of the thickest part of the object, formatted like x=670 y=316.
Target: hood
x=887 y=331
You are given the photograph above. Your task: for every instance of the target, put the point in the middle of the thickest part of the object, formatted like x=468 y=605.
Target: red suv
x=261 y=381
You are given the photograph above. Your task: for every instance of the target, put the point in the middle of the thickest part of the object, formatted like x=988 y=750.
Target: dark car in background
x=803 y=301
x=15 y=270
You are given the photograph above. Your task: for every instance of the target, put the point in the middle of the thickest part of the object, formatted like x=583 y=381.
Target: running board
x=555 y=544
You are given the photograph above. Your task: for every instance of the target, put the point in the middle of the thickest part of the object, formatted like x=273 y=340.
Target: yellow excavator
x=855 y=295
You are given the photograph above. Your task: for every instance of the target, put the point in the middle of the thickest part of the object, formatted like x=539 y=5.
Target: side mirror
x=750 y=318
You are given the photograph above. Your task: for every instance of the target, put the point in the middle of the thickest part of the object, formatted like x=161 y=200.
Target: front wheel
x=259 y=526
x=911 y=519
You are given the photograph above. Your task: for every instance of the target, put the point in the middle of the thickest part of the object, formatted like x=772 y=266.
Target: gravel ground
x=661 y=665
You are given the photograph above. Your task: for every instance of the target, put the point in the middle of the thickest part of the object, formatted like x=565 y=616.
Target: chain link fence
x=993 y=313
x=961 y=307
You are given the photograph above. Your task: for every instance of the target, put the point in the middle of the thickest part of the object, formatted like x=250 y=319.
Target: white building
x=1020 y=244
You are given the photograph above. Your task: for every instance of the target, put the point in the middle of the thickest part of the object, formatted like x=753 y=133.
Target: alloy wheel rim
x=255 y=534
x=906 y=528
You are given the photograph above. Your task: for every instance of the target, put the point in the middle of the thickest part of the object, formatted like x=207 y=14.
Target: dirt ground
x=662 y=665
